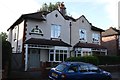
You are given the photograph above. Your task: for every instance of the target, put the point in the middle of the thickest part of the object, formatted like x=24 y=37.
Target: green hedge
x=96 y=60
x=110 y=60
x=88 y=59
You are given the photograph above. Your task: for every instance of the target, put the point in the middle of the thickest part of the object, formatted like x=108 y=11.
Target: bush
x=96 y=60
x=88 y=59
x=110 y=60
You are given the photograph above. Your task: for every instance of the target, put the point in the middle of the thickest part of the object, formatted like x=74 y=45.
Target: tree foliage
x=6 y=54
x=51 y=7
x=3 y=35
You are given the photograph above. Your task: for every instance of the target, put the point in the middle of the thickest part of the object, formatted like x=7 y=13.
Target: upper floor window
x=55 y=31
x=96 y=38
x=37 y=31
x=82 y=34
x=15 y=33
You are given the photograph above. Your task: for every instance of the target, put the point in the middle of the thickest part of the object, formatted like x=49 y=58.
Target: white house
x=53 y=37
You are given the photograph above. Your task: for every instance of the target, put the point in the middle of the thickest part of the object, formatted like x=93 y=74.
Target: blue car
x=78 y=71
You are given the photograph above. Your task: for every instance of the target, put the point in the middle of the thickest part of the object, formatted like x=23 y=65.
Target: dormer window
x=36 y=31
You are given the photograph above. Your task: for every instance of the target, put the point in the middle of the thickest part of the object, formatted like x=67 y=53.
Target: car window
x=83 y=68
x=60 y=67
x=73 y=69
x=93 y=68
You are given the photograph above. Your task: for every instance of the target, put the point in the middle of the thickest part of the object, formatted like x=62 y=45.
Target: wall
x=45 y=26
x=17 y=38
x=44 y=55
x=111 y=44
x=79 y=25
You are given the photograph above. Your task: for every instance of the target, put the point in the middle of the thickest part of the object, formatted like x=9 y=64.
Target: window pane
x=61 y=57
x=55 y=31
x=65 y=57
x=57 y=57
x=82 y=34
x=51 y=57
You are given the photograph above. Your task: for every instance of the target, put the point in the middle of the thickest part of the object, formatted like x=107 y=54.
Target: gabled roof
x=111 y=31
x=92 y=27
x=47 y=42
x=33 y=16
x=88 y=45
x=37 y=16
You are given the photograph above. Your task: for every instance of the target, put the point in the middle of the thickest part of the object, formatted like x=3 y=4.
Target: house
x=53 y=37
x=111 y=40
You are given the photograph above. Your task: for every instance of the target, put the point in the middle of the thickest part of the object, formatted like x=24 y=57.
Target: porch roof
x=88 y=45
x=47 y=42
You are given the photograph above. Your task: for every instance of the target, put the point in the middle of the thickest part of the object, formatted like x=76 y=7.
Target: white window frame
x=96 y=38
x=64 y=52
x=55 y=31
x=83 y=35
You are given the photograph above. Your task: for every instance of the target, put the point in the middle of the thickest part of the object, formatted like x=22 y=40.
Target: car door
x=72 y=72
x=84 y=72
x=95 y=72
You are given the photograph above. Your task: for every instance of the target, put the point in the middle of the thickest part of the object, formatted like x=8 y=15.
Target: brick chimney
x=62 y=8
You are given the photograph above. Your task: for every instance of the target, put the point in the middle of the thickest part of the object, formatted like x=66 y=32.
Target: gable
x=111 y=31
x=82 y=19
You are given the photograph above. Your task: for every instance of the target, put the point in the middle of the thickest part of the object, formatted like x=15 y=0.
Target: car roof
x=75 y=63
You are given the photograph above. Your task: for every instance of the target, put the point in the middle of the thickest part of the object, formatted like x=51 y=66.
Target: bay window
x=57 y=55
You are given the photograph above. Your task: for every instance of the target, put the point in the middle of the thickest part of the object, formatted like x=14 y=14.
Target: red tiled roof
x=88 y=45
x=47 y=42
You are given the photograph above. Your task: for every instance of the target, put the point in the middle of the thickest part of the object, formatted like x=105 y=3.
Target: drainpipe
x=70 y=36
x=70 y=32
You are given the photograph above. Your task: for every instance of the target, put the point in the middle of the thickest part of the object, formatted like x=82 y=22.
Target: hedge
x=88 y=59
x=96 y=60
x=110 y=60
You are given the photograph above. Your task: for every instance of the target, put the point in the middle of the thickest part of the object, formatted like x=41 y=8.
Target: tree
x=6 y=54
x=3 y=35
x=51 y=7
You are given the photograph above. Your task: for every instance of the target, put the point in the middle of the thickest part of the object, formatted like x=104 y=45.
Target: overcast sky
x=101 y=13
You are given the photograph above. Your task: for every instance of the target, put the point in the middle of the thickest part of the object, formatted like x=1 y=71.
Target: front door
x=34 y=58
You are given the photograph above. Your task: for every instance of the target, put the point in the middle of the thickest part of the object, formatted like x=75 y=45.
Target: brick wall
x=110 y=42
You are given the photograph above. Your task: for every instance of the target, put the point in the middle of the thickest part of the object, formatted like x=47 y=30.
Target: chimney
x=62 y=8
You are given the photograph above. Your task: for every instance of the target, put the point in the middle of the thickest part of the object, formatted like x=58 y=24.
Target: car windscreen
x=60 y=67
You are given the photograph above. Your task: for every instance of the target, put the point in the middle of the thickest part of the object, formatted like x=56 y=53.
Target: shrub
x=110 y=60
x=88 y=59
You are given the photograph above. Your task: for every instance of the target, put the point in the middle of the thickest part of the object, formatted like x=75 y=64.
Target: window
x=60 y=67
x=93 y=68
x=83 y=68
x=37 y=31
x=55 y=31
x=51 y=56
x=96 y=38
x=15 y=33
x=82 y=34
x=57 y=55
x=73 y=69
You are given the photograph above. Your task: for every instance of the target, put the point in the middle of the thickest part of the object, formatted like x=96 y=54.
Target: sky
x=101 y=13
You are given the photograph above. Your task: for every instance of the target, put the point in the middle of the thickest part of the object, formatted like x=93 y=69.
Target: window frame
x=83 y=35
x=58 y=58
x=55 y=31
x=96 y=38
